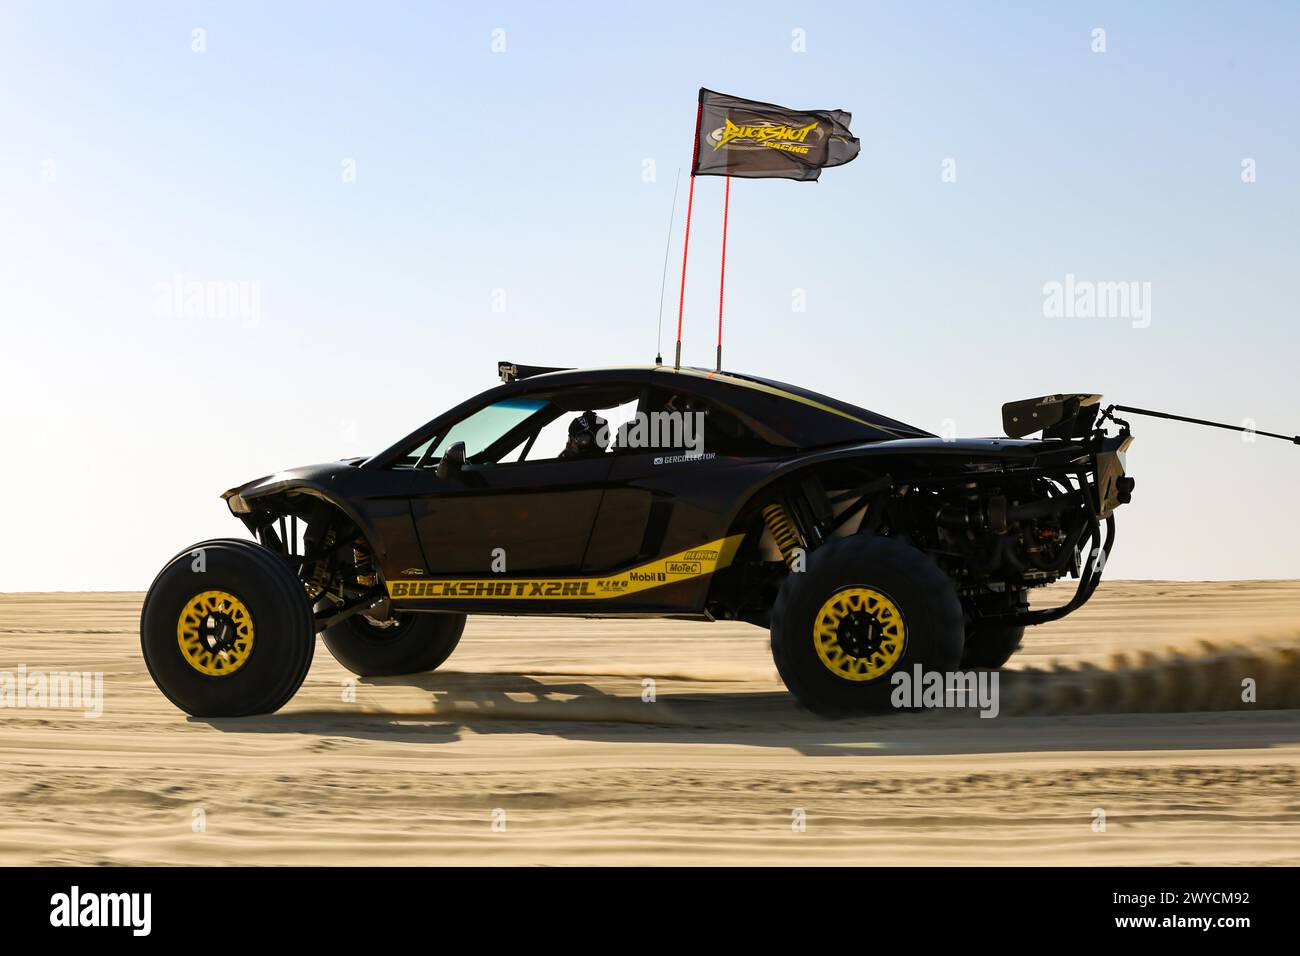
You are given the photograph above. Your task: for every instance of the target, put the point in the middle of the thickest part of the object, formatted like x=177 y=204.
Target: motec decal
x=773 y=135
x=682 y=566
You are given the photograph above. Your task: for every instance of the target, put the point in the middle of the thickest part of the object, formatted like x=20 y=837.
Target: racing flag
x=753 y=140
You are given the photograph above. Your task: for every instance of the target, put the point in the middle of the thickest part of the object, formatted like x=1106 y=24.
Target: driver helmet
x=588 y=435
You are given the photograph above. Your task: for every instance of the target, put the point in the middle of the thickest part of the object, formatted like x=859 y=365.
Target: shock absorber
x=364 y=564
x=320 y=571
x=783 y=531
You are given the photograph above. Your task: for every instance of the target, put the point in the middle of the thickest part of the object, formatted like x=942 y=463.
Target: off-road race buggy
x=866 y=545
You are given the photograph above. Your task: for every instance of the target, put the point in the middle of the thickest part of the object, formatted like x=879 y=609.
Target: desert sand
x=535 y=746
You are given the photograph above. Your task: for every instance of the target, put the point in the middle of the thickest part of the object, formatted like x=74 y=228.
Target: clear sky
x=501 y=209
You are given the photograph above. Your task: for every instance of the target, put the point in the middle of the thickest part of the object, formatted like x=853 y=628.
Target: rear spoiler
x=510 y=372
x=1056 y=416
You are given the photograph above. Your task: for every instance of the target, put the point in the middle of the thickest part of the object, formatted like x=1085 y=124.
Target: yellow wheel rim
x=859 y=633
x=215 y=633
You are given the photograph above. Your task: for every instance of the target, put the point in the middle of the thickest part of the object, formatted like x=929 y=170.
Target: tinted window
x=691 y=423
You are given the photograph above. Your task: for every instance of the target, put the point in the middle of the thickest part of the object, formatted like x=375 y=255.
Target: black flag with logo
x=755 y=140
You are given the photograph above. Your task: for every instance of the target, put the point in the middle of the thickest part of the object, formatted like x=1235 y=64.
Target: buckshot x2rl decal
x=682 y=566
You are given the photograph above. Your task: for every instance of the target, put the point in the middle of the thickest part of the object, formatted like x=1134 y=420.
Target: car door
x=517 y=507
x=520 y=518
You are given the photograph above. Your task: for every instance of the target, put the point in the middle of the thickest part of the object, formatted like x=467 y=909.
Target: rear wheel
x=866 y=608
x=990 y=646
x=372 y=646
x=227 y=630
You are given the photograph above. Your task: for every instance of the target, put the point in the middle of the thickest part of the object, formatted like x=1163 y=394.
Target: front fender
x=330 y=482
x=320 y=478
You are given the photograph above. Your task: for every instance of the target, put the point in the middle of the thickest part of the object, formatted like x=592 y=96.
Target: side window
x=690 y=424
x=551 y=440
x=581 y=422
x=610 y=411
x=618 y=419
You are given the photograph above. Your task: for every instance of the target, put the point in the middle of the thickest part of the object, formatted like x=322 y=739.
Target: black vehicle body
x=707 y=534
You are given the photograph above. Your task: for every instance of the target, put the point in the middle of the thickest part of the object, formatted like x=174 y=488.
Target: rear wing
x=1056 y=416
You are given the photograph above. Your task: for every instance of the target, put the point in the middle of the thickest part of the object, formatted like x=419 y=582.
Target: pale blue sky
x=523 y=171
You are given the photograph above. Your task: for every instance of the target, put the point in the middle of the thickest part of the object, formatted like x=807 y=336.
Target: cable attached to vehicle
x=1293 y=439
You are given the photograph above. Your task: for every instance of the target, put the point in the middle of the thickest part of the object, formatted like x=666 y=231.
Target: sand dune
x=537 y=745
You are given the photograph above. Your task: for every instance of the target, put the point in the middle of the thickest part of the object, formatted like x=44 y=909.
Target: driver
x=588 y=437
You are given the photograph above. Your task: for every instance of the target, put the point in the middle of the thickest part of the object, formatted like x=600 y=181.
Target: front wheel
x=865 y=609
x=408 y=643
x=227 y=630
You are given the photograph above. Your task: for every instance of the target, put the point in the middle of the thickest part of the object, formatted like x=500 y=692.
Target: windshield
x=478 y=431
x=485 y=426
